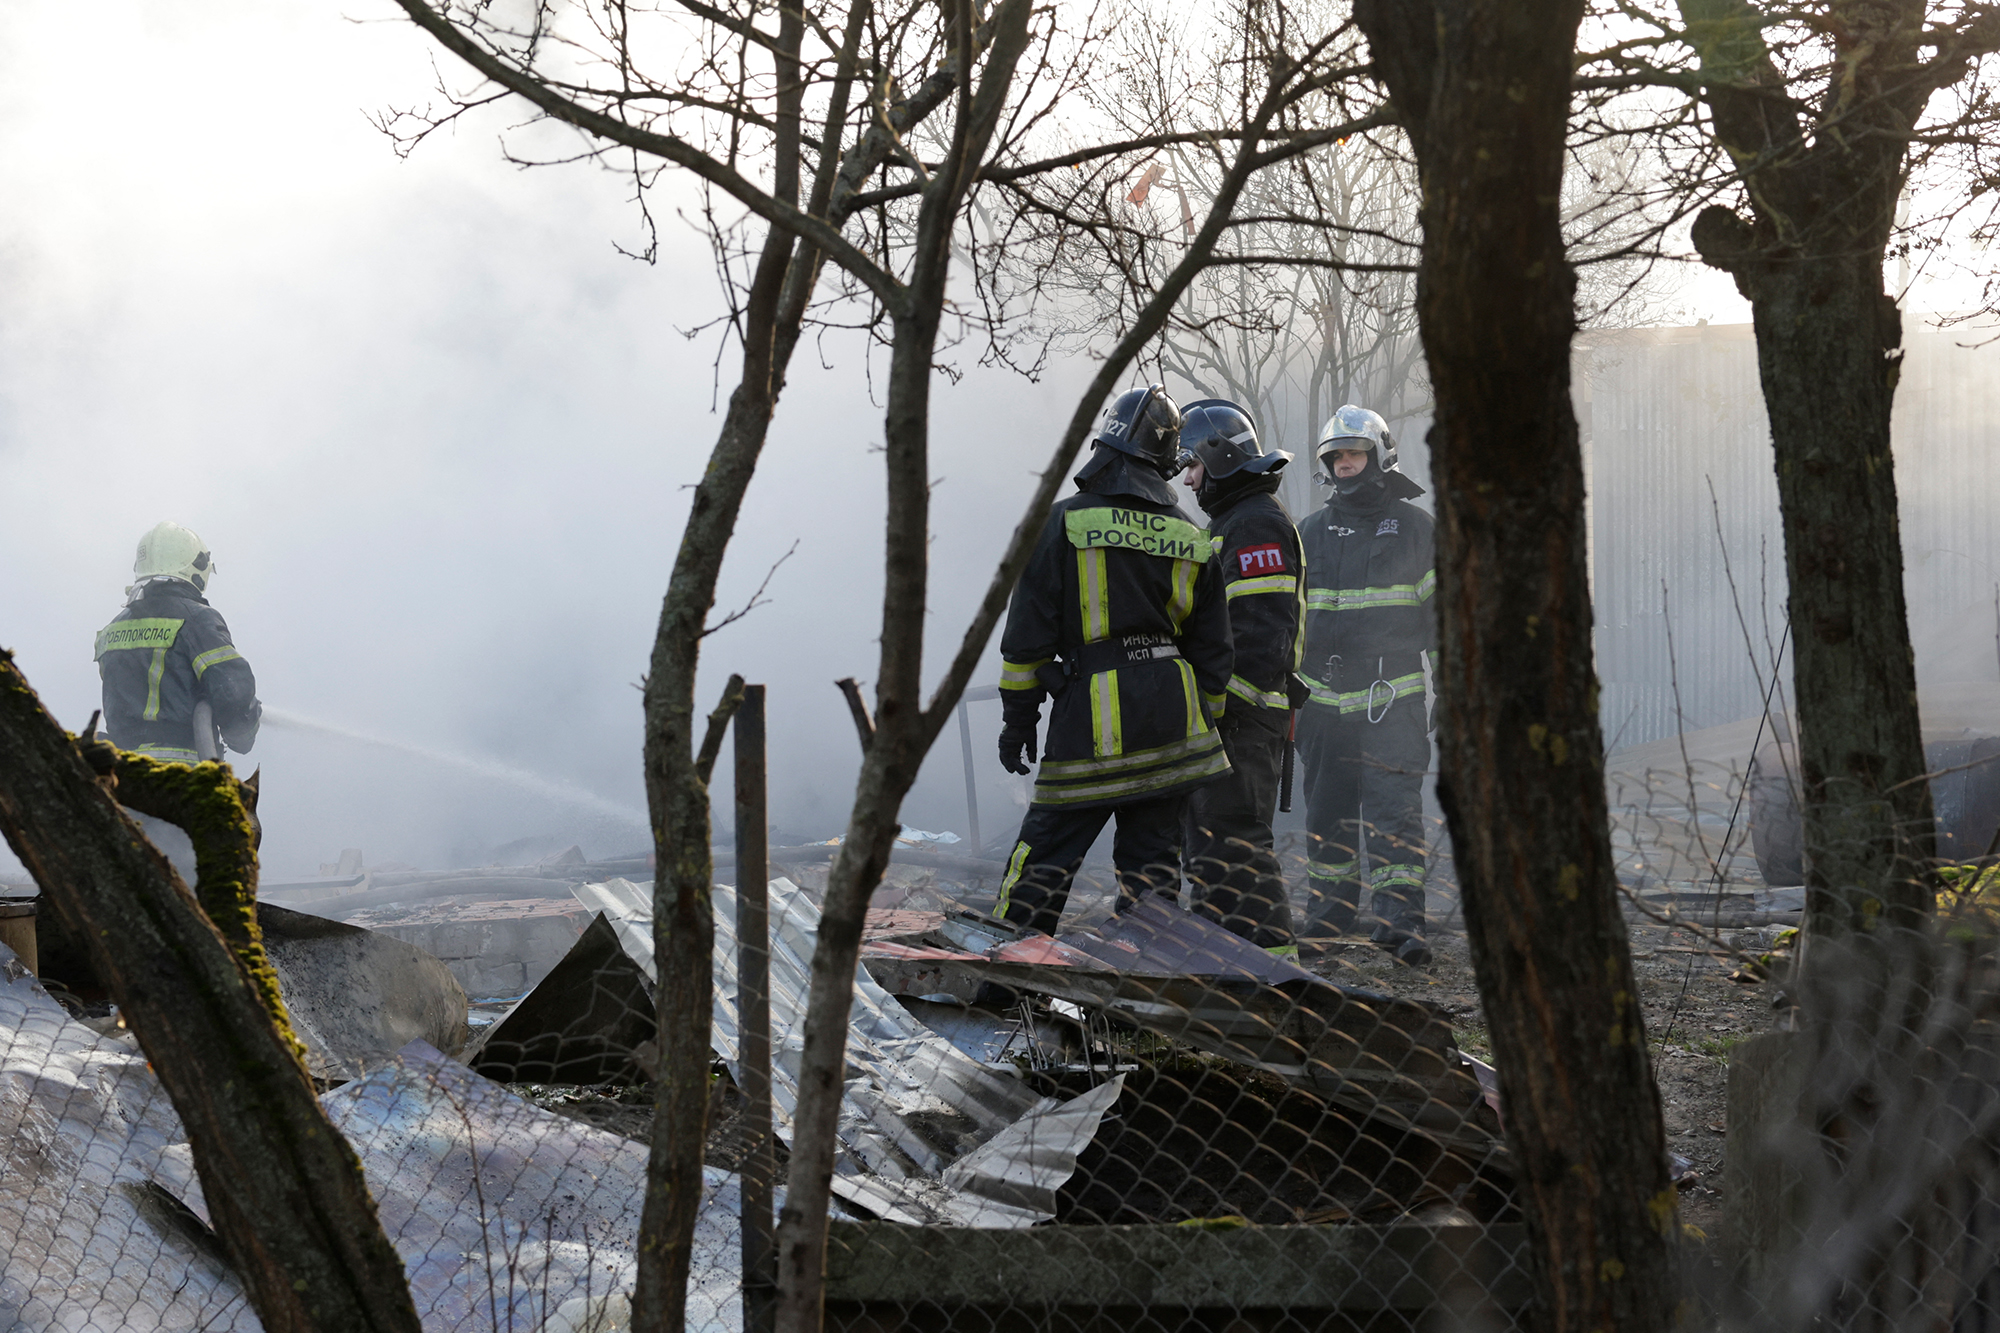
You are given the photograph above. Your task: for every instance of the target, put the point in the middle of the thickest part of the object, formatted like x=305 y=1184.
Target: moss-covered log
x=283 y=1187
x=213 y=807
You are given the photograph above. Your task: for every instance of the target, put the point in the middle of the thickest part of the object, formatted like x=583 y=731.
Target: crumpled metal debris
x=504 y=1213
x=927 y=1134
x=355 y=997
x=86 y=1240
x=582 y=1023
x=506 y=1216
x=1182 y=976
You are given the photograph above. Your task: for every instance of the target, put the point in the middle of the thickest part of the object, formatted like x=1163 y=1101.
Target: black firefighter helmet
x=1146 y=424
x=1219 y=435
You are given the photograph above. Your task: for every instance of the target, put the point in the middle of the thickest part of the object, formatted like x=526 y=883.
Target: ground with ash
x=1694 y=1014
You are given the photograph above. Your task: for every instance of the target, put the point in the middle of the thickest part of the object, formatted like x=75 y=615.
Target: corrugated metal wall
x=1668 y=413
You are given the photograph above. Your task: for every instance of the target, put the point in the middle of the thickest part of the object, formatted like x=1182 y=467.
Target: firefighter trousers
x=1365 y=794
x=1232 y=866
x=1145 y=849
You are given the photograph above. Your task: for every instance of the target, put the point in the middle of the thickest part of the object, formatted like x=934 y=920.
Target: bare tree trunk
x=283 y=1187
x=1828 y=351
x=1483 y=88
x=1822 y=202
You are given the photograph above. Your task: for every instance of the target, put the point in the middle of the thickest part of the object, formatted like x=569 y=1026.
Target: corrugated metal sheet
x=1669 y=412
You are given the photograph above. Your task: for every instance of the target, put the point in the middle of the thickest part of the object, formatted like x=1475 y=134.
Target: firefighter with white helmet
x=168 y=652
x=1364 y=732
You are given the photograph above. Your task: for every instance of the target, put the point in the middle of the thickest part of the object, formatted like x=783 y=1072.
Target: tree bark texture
x=283 y=1187
x=1822 y=184
x=1483 y=88
x=1822 y=169
x=677 y=801
x=677 y=797
x=206 y=802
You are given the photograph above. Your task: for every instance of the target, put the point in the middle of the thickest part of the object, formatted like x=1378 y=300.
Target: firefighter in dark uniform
x=163 y=657
x=1365 y=731
x=1231 y=857
x=1120 y=619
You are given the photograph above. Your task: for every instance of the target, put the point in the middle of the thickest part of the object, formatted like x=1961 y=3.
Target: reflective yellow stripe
x=1106 y=728
x=226 y=653
x=1015 y=865
x=1090 y=587
x=1197 y=721
x=1182 y=600
x=1355 y=701
x=1283 y=950
x=153 y=674
x=1364 y=599
x=1021 y=675
x=1269 y=583
x=145 y=632
x=1332 y=869
x=1299 y=637
x=1062 y=769
x=1387 y=876
x=167 y=754
x=1427 y=585
x=1205 y=763
x=1244 y=690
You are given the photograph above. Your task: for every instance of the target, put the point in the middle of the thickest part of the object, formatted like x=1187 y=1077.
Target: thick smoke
x=439 y=434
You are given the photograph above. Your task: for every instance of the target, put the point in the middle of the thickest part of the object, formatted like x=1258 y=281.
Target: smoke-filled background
x=439 y=434
x=437 y=431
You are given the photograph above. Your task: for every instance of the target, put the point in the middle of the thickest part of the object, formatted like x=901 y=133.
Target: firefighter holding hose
x=175 y=687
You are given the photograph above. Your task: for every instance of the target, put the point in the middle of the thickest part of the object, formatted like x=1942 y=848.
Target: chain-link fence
x=1143 y=1121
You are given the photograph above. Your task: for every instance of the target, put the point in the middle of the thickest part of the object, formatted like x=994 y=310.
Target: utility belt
x=1107 y=655
x=1356 y=671
x=1370 y=682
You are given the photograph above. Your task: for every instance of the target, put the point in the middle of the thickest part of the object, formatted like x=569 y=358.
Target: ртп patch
x=1268 y=558
x=1136 y=530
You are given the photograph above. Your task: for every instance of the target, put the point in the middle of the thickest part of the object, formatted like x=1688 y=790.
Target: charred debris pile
x=1143 y=1067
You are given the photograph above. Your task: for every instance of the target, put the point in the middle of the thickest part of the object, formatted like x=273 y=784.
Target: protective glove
x=1015 y=743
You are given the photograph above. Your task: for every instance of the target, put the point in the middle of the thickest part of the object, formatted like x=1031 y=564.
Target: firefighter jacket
x=1263 y=571
x=165 y=652
x=1370 y=574
x=1120 y=614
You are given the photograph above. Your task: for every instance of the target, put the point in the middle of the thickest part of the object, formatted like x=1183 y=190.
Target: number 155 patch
x=1266 y=559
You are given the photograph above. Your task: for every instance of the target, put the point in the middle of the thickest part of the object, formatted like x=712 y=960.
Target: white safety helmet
x=1358 y=428
x=174 y=552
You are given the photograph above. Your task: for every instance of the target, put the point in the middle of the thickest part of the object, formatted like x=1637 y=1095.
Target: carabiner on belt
x=1373 y=716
